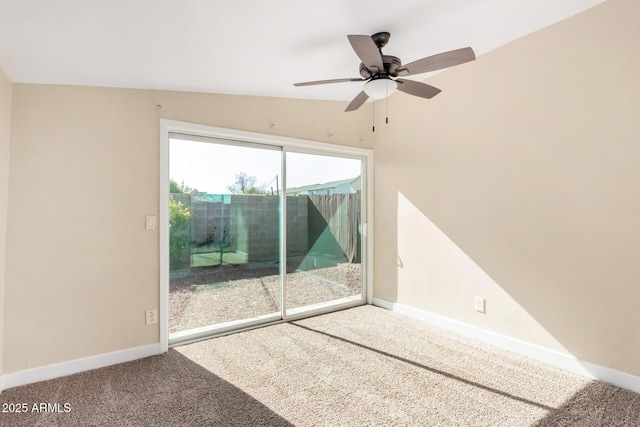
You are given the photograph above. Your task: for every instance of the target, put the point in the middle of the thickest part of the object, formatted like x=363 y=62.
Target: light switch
x=150 y=222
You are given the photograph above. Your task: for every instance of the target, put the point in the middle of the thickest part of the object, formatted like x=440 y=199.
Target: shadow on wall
x=449 y=280
x=535 y=179
x=551 y=275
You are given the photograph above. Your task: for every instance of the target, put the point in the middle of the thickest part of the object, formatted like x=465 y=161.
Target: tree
x=179 y=232
x=245 y=184
x=174 y=187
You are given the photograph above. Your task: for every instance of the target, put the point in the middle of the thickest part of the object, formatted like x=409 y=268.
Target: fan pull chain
x=386 y=103
x=373 y=116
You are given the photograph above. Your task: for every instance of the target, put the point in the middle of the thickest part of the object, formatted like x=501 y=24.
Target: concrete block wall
x=297 y=225
x=259 y=229
x=209 y=220
x=252 y=222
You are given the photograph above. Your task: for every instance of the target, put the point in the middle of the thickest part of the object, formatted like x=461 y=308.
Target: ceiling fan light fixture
x=380 y=88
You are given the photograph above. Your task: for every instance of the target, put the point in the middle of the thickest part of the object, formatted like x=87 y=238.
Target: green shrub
x=180 y=232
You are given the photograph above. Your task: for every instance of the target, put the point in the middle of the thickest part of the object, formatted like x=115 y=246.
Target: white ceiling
x=253 y=47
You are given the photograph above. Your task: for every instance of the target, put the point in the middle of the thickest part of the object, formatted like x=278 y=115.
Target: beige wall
x=5 y=134
x=519 y=183
x=81 y=268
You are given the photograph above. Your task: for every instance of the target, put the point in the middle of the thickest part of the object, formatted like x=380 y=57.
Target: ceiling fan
x=381 y=72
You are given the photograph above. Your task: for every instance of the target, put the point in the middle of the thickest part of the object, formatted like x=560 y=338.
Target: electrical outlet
x=480 y=305
x=151 y=317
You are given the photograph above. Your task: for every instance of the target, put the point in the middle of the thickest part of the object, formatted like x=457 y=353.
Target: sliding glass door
x=258 y=233
x=224 y=240
x=324 y=245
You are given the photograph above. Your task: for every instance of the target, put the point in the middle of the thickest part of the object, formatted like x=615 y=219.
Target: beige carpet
x=363 y=366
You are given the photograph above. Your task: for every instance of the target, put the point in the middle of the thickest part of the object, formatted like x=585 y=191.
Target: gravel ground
x=210 y=296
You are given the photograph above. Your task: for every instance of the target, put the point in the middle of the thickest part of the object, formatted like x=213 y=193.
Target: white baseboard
x=48 y=372
x=561 y=360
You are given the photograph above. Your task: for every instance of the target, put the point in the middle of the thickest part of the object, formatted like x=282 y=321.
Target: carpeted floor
x=363 y=366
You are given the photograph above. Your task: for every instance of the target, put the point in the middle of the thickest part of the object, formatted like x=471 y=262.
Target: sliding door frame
x=287 y=144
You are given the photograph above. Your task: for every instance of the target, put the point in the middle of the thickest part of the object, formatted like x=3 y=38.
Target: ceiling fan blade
x=437 y=62
x=422 y=90
x=357 y=102
x=367 y=51
x=322 y=82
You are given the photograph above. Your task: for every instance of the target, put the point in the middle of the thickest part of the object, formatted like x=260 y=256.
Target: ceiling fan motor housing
x=391 y=64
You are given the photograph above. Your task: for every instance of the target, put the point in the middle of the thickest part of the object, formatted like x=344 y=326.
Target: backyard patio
x=211 y=295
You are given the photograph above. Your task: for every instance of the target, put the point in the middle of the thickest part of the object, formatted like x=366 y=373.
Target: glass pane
x=224 y=235
x=323 y=224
